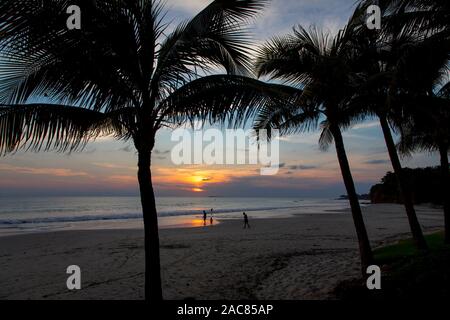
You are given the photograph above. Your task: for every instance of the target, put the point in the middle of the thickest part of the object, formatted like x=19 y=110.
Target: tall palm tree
x=423 y=75
x=123 y=74
x=319 y=67
x=379 y=59
x=429 y=131
x=396 y=66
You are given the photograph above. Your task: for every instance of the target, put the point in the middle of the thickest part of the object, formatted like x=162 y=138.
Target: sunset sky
x=108 y=167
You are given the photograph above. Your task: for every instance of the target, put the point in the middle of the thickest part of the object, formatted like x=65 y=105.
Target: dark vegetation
x=425 y=184
x=406 y=273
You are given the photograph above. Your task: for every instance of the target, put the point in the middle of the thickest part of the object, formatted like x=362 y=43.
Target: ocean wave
x=129 y=216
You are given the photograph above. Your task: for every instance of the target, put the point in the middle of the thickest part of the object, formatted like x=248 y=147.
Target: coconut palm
x=425 y=93
x=123 y=74
x=397 y=67
x=422 y=76
x=380 y=60
x=429 y=131
x=319 y=66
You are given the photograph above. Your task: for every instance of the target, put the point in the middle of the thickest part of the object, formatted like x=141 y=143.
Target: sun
x=197 y=179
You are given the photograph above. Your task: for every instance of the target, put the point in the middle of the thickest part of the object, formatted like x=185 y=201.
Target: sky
x=108 y=168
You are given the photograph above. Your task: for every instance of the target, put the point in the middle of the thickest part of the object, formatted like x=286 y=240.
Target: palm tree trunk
x=363 y=240
x=405 y=191
x=443 y=150
x=153 y=289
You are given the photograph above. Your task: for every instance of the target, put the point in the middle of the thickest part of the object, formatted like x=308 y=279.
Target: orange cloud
x=58 y=172
x=108 y=165
x=198 y=178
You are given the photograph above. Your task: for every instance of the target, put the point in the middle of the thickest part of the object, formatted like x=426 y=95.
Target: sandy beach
x=303 y=257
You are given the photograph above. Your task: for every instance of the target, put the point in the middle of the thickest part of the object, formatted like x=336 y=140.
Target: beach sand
x=303 y=257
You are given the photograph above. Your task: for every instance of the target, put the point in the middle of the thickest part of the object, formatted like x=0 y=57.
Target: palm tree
x=123 y=74
x=380 y=60
x=429 y=131
x=423 y=78
x=321 y=65
x=397 y=66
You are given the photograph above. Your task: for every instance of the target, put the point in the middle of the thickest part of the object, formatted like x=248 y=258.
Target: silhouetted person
x=246 y=224
x=204 y=217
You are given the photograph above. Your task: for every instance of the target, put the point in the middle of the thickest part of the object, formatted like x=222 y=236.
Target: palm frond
x=215 y=38
x=54 y=127
x=221 y=98
x=414 y=16
x=326 y=136
x=96 y=66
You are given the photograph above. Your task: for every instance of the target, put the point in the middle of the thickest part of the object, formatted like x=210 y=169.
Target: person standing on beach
x=204 y=217
x=246 y=224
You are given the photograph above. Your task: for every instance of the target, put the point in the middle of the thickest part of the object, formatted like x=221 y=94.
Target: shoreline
x=165 y=222
x=111 y=213
x=301 y=257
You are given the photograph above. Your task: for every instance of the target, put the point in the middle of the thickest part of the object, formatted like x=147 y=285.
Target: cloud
x=282 y=15
x=108 y=165
x=310 y=138
x=123 y=179
x=126 y=148
x=58 y=172
x=157 y=151
x=366 y=125
x=377 y=161
x=188 y=6
x=302 y=167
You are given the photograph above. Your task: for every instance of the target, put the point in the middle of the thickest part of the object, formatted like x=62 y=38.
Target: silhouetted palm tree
x=381 y=61
x=124 y=74
x=429 y=130
x=399 y=60
x=321 y=65
x=423 y=75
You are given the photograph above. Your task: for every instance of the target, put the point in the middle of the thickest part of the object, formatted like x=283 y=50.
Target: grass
x=405 y=248
x=406 y=273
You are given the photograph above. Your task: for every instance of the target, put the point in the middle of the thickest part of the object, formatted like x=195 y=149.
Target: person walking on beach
x=246 y=224
x=204 y=217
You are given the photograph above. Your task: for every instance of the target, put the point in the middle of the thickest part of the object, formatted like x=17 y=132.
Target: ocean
x=41 y=214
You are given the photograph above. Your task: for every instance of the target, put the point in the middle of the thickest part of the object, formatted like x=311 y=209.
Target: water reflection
x=186 y=222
